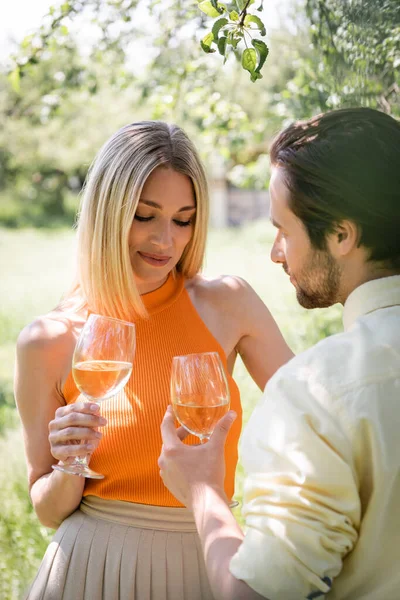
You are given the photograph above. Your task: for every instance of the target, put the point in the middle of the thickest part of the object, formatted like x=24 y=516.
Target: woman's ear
x=344 y=239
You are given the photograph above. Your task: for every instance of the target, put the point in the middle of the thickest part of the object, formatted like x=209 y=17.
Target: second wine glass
x=101 y=366
x=199 y=392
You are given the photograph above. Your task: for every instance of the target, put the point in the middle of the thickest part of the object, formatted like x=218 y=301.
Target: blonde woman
x=141 y=240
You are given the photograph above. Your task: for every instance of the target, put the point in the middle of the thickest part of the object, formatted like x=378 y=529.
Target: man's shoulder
x=344 y=361
x=331 y=348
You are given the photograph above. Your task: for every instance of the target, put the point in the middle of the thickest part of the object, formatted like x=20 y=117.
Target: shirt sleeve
x=300 y=504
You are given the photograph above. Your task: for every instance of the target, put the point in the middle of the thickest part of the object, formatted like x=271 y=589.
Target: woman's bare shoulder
x=51 y=332
x=221 y=285
x=229 y=291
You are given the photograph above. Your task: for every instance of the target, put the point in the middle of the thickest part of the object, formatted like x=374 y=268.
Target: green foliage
x=360 y=43
x=232 y=32
x=67 y=102
x=22 y=539
x=210 y=8
x=31 y=283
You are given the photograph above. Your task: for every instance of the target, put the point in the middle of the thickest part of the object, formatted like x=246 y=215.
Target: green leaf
x=234 y=16
x=222 y=45
x=26 y=42
x=257 y=21
x=217 y=26
x=261 y=7
x=207 y=7
x=206 y=43
x=65 y=8
x=262 y=51
x=254 y=76
x=249 y=60
x=242 y=3
x=217 y=6
x=15 y=78
x=233 y=39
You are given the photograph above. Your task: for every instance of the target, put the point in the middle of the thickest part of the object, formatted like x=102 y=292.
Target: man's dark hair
x=345 y=165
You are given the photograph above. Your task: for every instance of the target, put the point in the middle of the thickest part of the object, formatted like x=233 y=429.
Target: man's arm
x=195 y=475
x=220 y=537
x=301 y=503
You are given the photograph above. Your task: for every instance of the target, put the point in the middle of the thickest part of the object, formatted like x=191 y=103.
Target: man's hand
x=185 y=469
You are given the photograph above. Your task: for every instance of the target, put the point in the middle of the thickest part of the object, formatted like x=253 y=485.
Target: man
x=321 y=451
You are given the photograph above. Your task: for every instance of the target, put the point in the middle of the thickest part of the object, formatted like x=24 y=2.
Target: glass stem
x=81 y=460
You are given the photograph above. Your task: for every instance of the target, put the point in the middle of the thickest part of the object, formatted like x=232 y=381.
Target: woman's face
x=162 y=227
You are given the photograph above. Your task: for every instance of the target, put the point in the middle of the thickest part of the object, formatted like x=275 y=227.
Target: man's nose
x=277 y=252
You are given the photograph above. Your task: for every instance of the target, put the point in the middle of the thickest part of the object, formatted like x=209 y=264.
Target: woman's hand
x=73 y=432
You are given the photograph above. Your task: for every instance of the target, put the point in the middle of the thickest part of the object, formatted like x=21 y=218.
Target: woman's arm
x=44 y=351
x=261 y=345
x=242 y=324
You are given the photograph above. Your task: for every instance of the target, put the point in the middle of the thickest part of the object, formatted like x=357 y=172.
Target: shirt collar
x=370 y=296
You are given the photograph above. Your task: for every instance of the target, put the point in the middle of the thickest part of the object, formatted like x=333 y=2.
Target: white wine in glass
x=199 y=392
x=101 y=366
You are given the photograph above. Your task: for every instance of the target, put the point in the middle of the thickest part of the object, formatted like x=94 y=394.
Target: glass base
x=81 y=470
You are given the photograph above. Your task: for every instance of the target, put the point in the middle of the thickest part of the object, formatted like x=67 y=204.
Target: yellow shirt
x=322 y=456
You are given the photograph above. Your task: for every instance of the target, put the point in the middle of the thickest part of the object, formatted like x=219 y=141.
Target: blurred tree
x=53 y=118
x=136 y=59
x=360 y=42
x=51 y=126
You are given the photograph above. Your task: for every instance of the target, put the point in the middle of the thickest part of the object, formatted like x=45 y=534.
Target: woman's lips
x=154 y=259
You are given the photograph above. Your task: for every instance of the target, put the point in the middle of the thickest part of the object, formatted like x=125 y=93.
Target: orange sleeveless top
x=129 y=449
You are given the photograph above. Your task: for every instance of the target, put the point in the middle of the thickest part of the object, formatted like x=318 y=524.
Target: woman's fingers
x=76 y=419
x=69 y=434
x=67 y=452
x=78 y=407
x=73 y=431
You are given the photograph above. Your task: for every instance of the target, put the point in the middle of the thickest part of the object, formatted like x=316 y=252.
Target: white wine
x=198 y=414
x=101 y=379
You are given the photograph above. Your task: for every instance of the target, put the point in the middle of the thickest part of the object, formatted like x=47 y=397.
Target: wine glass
x=101 y=366
x=199 y=392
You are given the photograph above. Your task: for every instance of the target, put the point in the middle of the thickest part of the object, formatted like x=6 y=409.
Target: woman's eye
x=183 y=223
x=176 y=221
x=142 y=219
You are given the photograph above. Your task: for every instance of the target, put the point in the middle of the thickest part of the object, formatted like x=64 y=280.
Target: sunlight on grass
x=36 y=268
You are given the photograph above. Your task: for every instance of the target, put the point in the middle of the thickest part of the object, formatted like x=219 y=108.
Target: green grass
x=22 y=539
x=37 y=266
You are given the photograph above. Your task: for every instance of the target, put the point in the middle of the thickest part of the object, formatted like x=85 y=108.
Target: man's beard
x=318 y=283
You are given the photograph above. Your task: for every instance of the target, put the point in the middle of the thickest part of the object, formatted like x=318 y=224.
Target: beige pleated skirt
x=113 y=550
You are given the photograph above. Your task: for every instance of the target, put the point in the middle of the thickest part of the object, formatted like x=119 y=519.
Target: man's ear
x=344 y=239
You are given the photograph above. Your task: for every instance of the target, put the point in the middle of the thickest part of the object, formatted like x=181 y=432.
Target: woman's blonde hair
x=105 y=282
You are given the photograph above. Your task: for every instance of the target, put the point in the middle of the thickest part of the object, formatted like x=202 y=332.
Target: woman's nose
x=162 y=237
